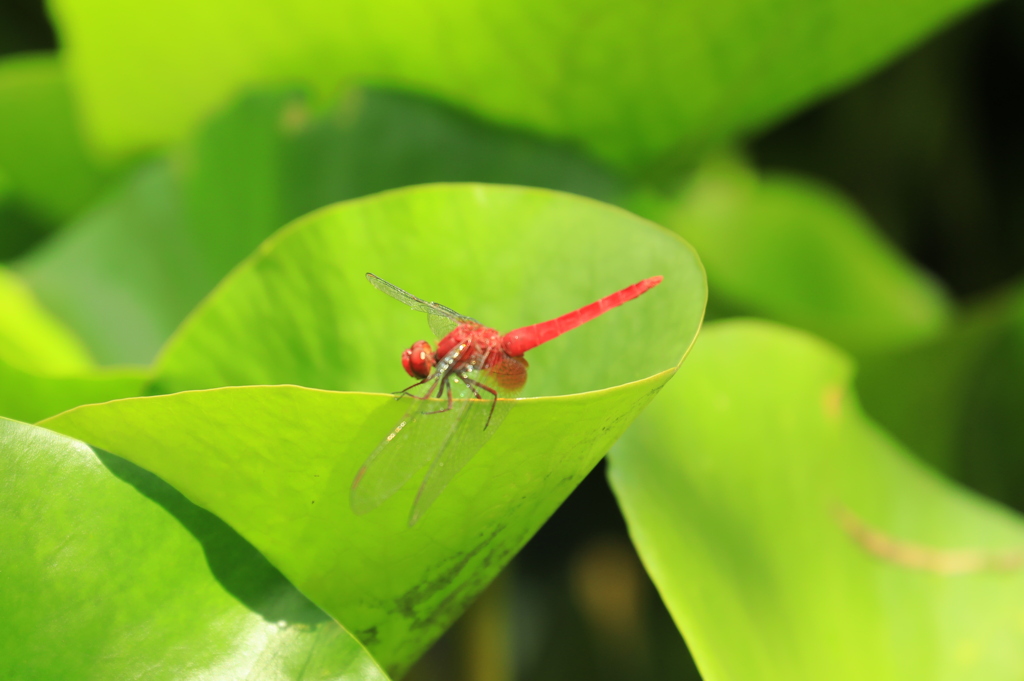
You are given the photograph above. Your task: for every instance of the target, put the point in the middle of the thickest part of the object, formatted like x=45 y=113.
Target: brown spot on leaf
x=920 y=557
x=368 y=637
x=409 y=604
x=832 y=401
x=294 y=117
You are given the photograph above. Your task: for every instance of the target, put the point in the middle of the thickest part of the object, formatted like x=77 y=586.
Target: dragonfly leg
x=471 y=386
x=402 y=393
x=477 y=384
x=444 y=386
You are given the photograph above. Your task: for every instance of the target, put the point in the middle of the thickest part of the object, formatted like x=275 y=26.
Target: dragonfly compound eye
x=418 y=360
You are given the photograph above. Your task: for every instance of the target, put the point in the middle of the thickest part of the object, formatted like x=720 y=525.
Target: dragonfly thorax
x=481 y=346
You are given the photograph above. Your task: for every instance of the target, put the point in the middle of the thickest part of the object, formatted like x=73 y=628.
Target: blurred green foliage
x=126 y=273
x=147 y=164
x=957 y=400
x=44 y=367
x=822 y=549
x=830 y=269
x=41 y=149
x=629 y=81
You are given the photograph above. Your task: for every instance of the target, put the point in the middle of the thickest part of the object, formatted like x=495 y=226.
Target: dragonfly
x=463 y=391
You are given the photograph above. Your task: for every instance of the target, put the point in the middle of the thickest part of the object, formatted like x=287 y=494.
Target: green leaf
x=991 y=437
x=31 y=396
x=795 y=251
x=30 y=335
x=956 y=401
x=41 y=149
x=18 y=229
x=627 y=80
x=44 y=369
x=277 y=462
x=125 y=275
x=763 y=502
x=300 y=310
x=111 y=574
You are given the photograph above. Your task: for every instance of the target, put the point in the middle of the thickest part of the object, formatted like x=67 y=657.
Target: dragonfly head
x=418 y=360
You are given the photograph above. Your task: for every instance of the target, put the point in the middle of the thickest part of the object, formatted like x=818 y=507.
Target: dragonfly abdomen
x=517 y=343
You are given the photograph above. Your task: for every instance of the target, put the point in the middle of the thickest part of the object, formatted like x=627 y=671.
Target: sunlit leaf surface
x=792 y=539
x=109 y=573
x=277 y=462
x=301 y=311
x=628 y=80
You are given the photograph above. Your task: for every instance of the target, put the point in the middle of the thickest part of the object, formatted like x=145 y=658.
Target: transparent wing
x=442 y=319
x=477 y=425
x=417 y=440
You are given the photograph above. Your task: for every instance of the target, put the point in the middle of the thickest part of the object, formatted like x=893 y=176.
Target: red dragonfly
x=457 y=389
